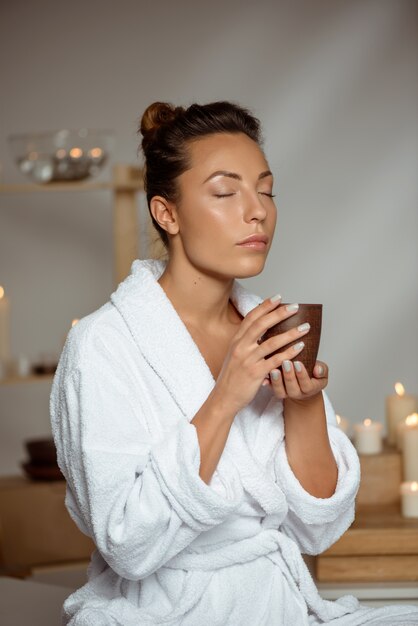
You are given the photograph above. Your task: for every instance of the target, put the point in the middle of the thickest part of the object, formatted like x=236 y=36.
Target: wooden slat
x=367 y=568
x=388 y=541
x=378 y=530
x=33 y=378
x=381 y=475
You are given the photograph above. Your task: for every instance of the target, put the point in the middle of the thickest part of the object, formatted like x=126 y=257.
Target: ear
x=165 y=214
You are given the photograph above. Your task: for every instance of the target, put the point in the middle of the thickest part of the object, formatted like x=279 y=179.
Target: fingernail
x=275 y=298
x=303 y=327
x=292 y=307
x=275 y=374
x=298 y=366
x=287 y=365
x=298 y=346
x=320 y=370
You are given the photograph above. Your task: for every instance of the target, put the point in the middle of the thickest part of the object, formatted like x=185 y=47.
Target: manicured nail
x=303 y=327
x=320 y=370
x=275 y=298
x=287 y=365
x=275 y=374
x=298 y=346
x=298 y=366
x=292 y=307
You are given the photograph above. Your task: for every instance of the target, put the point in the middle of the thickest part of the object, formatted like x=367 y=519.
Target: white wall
x=334 y=84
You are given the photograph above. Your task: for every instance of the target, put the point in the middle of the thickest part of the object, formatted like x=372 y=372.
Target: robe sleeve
x=316 y=523
x=141 y=500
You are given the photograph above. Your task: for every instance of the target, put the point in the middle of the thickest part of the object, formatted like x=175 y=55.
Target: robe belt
x=248 y=549
x=282 y=551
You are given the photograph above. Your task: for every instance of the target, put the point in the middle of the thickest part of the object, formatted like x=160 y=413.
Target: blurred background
x=334 y=85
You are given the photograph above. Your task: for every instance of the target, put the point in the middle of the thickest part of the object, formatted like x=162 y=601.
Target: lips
x=254 y=238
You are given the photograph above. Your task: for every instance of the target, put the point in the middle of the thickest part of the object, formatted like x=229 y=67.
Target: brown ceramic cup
x=311 y=313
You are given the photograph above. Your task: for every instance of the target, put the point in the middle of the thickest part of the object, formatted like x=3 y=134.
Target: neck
x=200 y=300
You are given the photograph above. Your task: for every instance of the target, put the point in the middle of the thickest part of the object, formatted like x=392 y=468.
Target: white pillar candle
x=4 y=326
x=368 y=437
x=344 y=424
x=410 y=450
x=398 y=406
x=409 y=498
x=411 y=420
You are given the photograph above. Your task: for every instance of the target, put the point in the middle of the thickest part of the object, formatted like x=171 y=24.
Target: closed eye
x=226 y=195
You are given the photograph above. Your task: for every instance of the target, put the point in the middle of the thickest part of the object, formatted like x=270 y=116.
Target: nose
x=255 y=208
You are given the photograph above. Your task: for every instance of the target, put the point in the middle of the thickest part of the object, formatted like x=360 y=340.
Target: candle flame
x=74 y=322
x=96 y=152
x=76 y=153
x=367 y=421
x=414 y=486
x=412 y=420
x=400 y=389
x=1 y=292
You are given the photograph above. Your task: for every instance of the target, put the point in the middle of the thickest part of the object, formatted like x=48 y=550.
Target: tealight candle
x=409 y=498
x=344 y=424
x=398 y=406
x=368 y=437
x=410 y=448
x=411 y=420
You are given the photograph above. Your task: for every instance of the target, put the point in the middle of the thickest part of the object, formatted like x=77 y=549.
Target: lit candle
x=344 y=424
x=398 y=406
x=410 y=448
x=409 y=498
x=411 y=420
x=4 y=327
x=368 y=437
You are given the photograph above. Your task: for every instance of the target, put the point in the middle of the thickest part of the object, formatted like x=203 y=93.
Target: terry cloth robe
x=171 y=549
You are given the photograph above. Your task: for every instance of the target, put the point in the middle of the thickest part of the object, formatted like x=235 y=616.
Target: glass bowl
x=61 y=154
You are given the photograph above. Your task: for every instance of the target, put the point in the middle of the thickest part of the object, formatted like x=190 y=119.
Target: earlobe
x=164 y=214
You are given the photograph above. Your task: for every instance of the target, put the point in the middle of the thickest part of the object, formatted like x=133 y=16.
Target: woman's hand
x=246 y=364
x=295 y=384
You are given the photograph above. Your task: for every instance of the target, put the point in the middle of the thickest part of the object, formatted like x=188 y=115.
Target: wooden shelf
x=33 y=378
x=380 y=545
x=125 y=183
x=69 y=186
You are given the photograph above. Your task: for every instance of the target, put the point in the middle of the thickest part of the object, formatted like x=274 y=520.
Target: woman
x=198 y=469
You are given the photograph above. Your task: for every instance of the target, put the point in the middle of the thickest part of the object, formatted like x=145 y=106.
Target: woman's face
x=210 y=226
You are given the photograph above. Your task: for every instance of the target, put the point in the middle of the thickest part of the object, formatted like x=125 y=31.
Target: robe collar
x=163 y=338
x=168 y=347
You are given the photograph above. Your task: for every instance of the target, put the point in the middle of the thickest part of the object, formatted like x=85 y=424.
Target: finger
x=277 y=383
x=291 y=383
x=258 y=311
x=278 y=357
x=320 y=370
x=264 y=317
x=271 y=345
x=305 y=382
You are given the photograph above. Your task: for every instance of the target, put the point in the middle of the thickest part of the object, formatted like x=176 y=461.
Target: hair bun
x=156 y=115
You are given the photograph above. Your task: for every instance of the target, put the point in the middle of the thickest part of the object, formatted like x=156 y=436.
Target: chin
x=251 y=268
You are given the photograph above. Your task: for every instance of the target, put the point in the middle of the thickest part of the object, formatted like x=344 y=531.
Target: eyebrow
x=234 y=175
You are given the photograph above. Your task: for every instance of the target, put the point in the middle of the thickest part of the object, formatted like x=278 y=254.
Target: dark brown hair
x=166 y=131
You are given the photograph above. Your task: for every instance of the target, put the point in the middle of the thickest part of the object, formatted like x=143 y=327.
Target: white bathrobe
x=171 y=549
